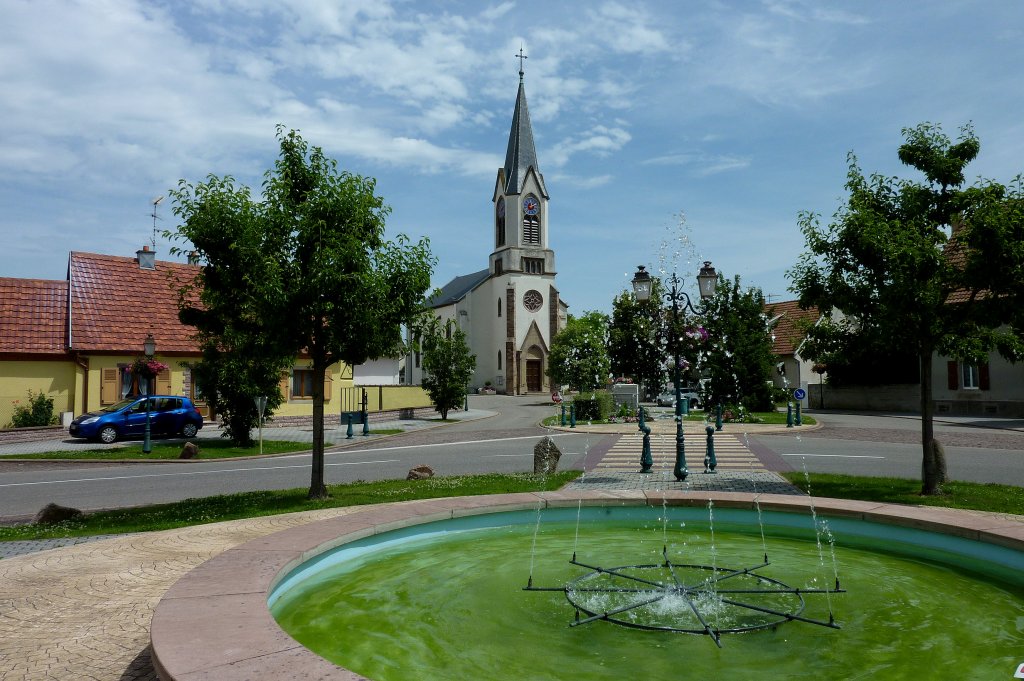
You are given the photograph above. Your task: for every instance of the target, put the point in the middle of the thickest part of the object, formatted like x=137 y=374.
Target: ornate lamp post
x=149 y=348
x=707 y=280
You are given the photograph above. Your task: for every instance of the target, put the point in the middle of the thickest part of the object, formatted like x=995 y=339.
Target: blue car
x=170 y=415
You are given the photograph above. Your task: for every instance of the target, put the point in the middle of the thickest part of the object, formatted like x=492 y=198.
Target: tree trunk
x=929 y=467
x=317 y=488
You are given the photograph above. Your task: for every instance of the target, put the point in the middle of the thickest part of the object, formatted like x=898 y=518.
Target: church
x=511 y=310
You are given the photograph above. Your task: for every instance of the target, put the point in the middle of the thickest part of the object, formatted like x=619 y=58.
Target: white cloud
x=599 y=140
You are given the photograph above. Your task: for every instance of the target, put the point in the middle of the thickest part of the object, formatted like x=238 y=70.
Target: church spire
x=521 y=154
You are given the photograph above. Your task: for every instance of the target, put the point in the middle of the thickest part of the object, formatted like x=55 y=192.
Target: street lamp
x=707 y=280
x=149 y=348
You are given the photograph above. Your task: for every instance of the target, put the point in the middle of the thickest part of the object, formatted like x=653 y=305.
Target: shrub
x=38 y=411
x=597 y=407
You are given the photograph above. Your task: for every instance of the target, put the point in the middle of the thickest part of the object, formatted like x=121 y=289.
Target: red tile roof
x=788 y=335
x=33 y=316
x=114 y=304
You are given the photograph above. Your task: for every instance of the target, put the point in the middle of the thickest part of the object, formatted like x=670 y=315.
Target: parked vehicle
x=688 y=393
x=169 y=415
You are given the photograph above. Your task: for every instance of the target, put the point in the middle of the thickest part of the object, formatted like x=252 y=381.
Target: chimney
x=146 y=258
x=193 y=257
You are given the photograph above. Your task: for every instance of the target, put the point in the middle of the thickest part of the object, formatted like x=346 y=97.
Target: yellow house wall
x=56 y=379
x=100 y=362
x=405 y=397
x=342 y=378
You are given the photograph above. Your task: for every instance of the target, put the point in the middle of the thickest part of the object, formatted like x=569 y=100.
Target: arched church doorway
x=534 y=370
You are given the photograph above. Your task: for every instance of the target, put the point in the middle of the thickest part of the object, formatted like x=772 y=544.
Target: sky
x=668 y=132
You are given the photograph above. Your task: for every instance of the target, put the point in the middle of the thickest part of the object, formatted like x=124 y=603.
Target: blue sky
x=737 y=115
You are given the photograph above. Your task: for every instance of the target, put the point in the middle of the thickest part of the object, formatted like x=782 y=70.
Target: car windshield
x=119 y=406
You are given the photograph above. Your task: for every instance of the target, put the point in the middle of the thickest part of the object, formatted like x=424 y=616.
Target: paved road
x=500 y=443
x=977 y=450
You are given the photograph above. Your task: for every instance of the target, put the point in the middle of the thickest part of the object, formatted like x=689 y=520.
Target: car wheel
x=189 y=430
x=108 y=435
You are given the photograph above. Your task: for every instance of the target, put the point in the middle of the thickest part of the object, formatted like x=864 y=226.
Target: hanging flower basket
x=147 y=368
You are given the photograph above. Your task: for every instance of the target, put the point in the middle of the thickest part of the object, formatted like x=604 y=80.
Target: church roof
x=456 y=289
x=521 y=154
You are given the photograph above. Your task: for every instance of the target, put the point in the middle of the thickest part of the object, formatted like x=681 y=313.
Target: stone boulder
x=545 y=456
x=421 y=472
x=189 y=451
x=55 y=513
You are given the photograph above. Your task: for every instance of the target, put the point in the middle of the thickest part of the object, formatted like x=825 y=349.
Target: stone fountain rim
x=214 y=622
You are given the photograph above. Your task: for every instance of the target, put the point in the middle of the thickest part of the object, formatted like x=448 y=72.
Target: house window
x=969 y=376
x=533 y=265
x=531 y=229
x=499 y=223
x=302 y=384
x=499 y=266
x=499 y=361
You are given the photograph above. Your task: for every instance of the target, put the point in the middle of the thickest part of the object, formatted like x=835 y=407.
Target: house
x=786 y=324
x=510 y=310
x=76 y=339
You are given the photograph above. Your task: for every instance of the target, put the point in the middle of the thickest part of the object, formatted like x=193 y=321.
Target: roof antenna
x=156 y=202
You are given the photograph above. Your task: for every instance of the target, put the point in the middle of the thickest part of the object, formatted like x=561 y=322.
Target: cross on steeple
x=521 y=57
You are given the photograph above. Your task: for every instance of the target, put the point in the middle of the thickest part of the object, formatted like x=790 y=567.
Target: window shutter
x=983 y=378
x=163 y=382
x=327 y=386
x=283 y=385
x=952 y=377
x=108 y=386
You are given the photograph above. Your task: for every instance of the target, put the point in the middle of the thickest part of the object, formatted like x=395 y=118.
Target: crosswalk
x=730 y=452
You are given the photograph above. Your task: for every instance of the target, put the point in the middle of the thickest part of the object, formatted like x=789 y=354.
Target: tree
x=634 y=348
x=447 y=364
x=579 y=353
x=930 y=267
x=305 y=269
x=737 y=360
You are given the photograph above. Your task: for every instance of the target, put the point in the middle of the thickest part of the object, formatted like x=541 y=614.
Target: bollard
x=572 y=415
x=799 y=422
x=466 y=406
x=366 y=423
x=646 y=460
x=710 y=463
x=789 y=414
x=718 y=416
x=348 y=432
x=563 y=414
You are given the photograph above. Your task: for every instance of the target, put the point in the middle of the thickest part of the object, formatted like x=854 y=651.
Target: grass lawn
x=968 y=495
x=254 y=504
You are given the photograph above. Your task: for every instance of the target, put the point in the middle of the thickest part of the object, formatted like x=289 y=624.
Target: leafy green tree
x=448 y=365
x=927 y=267
x=635 y=346
x=304 y=269
x=737 y=359
x=579 y=353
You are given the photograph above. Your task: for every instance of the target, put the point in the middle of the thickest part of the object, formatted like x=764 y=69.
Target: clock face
x=530 y=205
x=533 y=300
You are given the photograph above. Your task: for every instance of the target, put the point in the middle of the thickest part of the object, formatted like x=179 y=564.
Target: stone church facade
x=511 y=310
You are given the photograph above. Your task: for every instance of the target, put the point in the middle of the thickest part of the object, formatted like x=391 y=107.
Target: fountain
x=434 y=589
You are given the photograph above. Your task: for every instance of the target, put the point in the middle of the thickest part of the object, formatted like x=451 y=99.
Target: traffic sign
x=799 y=393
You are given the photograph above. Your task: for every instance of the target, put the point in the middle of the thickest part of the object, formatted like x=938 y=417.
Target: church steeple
x=521 y=155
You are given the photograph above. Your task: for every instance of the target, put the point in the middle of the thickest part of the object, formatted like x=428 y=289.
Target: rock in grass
x=189 y=451
x=421 y=472
x=55 y=513
x=545 y=457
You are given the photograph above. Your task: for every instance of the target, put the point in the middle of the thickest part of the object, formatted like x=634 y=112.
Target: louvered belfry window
x=531 y=229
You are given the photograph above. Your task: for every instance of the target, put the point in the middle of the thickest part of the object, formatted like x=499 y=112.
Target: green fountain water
x=447 y=603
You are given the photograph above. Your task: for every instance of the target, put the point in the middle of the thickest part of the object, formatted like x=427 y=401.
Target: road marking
x=838 y=456
x=446 y=444
x=164 y=475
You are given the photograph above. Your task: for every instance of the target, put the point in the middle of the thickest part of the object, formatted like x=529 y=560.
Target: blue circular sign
x=799 y=393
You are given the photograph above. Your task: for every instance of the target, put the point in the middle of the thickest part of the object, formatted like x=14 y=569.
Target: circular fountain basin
x=405 y=597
